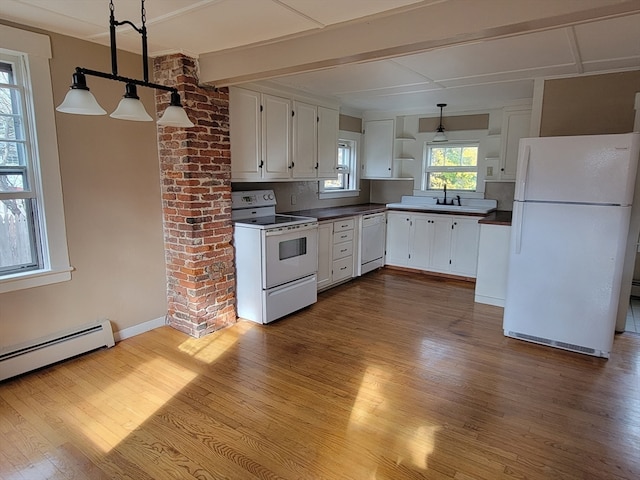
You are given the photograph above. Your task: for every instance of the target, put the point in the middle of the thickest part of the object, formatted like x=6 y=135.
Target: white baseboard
x=140 y=328
x=498 y=302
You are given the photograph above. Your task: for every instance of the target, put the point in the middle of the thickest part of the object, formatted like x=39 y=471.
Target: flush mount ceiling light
x=80 y=101
x=440 y=136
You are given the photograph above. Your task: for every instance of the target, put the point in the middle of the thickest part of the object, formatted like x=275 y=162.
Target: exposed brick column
x=196 y=202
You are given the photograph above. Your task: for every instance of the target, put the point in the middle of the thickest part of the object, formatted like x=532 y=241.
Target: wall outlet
x=489 y=171
x=294 y=200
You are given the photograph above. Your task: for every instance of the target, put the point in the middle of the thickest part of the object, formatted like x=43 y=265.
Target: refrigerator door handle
x=525 y=172
x=518 y=208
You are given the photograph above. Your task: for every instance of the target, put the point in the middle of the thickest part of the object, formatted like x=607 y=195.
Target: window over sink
x=452 y=164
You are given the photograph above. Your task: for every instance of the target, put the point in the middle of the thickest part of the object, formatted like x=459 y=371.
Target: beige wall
x=111 y=189
x=589 y=105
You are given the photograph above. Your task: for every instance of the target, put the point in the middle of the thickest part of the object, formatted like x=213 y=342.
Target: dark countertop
x=499 y=217
x=331 y=213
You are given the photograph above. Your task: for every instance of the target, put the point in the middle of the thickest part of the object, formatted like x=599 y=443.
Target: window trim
x=352 y=192
x=35 y=49
x=452 y=143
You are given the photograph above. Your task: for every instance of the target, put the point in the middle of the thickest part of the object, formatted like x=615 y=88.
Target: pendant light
x=130 y=107
x=80 y=101
x=440 y=136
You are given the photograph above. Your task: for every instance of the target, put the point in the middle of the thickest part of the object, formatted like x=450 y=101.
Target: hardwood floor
x=391 y=376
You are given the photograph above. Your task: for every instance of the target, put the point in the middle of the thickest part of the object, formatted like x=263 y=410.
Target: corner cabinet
x=277 y=138
x=435 y=243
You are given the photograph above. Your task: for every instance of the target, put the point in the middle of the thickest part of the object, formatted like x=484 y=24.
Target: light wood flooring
x=391 y=376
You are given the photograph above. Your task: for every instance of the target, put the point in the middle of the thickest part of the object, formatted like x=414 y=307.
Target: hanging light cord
x=113 y=23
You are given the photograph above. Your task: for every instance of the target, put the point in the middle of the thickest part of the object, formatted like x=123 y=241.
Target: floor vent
x=23 y=358
x=557 y=344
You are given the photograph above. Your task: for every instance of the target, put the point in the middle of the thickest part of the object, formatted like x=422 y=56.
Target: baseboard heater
x=557 y=344
x=18 y=359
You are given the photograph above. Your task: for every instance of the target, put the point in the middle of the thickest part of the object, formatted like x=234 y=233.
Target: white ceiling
x=481 y=74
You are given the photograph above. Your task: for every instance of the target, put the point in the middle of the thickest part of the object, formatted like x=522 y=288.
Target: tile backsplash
x=503 y=192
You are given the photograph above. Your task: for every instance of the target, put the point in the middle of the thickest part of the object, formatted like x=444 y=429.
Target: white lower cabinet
x=336 y=245
x=437 y=243
x=493 y=263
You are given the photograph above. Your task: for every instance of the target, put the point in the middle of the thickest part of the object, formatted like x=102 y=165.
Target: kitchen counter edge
x=333 y=213
x=497 y=217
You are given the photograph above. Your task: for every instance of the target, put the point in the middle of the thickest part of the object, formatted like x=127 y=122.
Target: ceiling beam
x=431 y=25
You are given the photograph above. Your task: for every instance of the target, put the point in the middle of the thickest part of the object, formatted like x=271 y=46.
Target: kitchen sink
x=427 y=204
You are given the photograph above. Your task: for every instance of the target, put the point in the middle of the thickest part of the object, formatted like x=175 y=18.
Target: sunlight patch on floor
x=209 y=348
x=121 y=407
x=371 y=410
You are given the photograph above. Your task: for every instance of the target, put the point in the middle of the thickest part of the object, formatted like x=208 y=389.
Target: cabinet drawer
x=342 y=225
x=342 y=268
x=339 y=237
x=341 y=250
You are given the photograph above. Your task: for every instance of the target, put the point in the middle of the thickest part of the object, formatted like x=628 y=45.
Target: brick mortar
x=195 y=166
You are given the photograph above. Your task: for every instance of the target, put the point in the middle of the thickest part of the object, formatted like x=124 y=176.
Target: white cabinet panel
x=379 y=136
x=493 y=263
x=433 y=242
x=305 y=141
x=245 y=127
x=336 y=243
x=276 y=137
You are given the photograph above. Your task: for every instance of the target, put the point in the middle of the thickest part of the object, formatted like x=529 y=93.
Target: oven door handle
x=277 y=231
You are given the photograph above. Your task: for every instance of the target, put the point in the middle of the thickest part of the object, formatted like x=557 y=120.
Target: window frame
x=427 y=169
x=34 y=51
x=353 y=187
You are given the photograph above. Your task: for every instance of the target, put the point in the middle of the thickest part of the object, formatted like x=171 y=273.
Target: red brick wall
x=196 y=202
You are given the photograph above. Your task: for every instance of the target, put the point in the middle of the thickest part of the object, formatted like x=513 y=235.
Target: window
x=453 y=165
x=33 y=244
x=19 y=246
x=346 y=183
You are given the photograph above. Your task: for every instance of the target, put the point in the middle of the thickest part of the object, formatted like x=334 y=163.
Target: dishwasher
x=372 y=241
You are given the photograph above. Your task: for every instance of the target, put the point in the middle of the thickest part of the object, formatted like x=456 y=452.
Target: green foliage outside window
x=455 y=166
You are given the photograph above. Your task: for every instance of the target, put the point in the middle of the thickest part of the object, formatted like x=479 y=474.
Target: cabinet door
x=493 y=263
x=378 y=148
x=325 y=248
x=305 y=140
x=328 y=124
x=465 y=236
x=397 y=252
x=440 y=243
x=276 y=137
x=515 y=125
x=420 y=239
x=245 y=128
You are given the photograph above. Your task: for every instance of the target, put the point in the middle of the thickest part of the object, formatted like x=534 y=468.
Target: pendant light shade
x=130 y=107
x=174 y=115
x=79 y=99
x=440 y=136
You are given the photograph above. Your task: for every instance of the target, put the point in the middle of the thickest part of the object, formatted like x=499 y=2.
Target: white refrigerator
x=571 y=216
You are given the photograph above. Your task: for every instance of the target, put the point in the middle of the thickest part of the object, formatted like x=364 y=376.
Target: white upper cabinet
x=515 y=125
x=305 y=140
x=328 y=124
x=245 y=131
x=379 y=136
x=276 y=138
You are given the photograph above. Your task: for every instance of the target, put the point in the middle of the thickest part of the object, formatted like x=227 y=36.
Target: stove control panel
x=253 y=198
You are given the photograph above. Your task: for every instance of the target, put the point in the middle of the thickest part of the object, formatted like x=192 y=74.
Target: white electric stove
x=276 y=257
